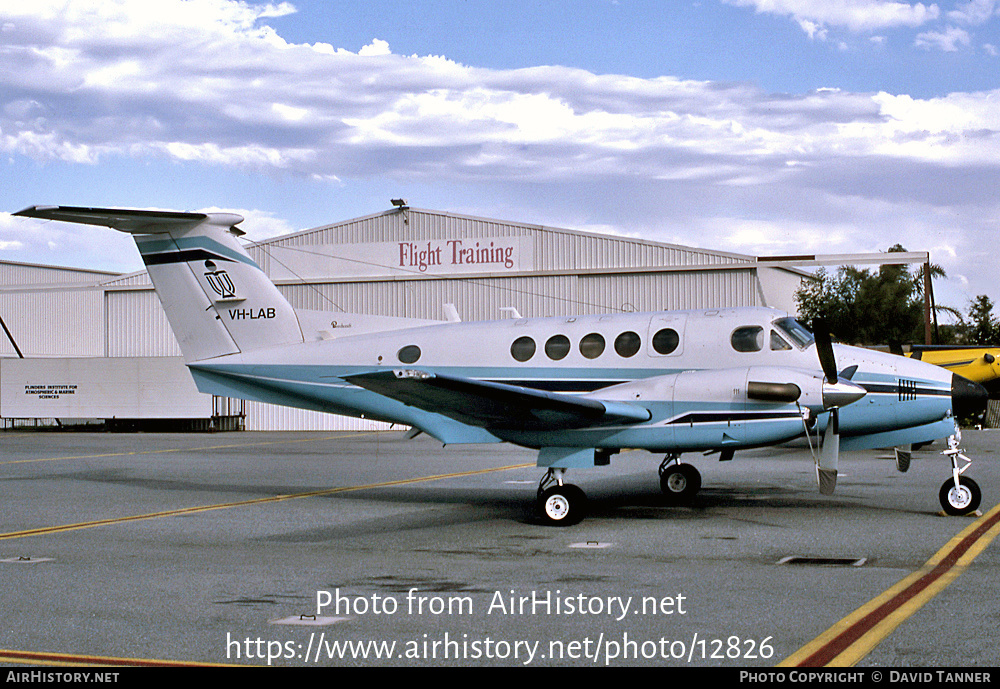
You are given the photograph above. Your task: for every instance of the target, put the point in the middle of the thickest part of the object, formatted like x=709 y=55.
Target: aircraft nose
x=968 y=399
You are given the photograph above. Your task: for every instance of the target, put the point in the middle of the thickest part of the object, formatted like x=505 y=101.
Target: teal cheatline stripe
x=160 y=251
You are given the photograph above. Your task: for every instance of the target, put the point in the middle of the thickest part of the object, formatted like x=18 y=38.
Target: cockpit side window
x=795 y=331
x=749 y=338
x=778 y=343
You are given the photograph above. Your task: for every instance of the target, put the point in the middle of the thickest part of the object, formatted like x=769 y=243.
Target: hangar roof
x=412 y=243
x=15 y=275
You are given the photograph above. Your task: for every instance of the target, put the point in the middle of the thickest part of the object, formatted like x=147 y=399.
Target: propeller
x=824 y=348
x=826 y=467
x=837 y=392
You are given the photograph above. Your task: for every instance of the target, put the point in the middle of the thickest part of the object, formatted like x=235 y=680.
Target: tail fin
x=218 y=301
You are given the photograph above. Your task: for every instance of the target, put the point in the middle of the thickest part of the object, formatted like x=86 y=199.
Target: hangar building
x=84 y=344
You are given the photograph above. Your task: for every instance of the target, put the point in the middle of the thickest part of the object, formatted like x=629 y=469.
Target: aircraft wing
x=496 y=405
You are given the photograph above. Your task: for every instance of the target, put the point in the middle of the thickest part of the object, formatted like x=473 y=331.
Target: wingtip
x=33 y=210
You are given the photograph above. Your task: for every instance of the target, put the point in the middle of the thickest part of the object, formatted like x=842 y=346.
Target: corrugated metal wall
x=20 y=274
x=53 y=322
x=270 y=417
x=553 y=295
x=137 y=325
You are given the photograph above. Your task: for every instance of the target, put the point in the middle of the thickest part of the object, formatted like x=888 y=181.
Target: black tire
x=680 y=483
x=961 y=500
x=563 y=505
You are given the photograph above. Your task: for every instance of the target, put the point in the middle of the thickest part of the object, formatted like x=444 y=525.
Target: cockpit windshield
x=795 y=331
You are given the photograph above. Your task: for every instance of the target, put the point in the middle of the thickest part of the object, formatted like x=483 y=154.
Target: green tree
x=868 y=307
x=981 y=328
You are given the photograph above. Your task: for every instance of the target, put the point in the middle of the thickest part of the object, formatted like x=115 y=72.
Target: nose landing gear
x=959 y=495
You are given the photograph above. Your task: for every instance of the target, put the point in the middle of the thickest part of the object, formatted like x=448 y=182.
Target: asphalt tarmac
x=366 y=549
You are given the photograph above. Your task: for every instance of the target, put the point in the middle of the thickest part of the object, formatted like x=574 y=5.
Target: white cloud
x=204 y=81
x=376 y=47
x=974 y=12
x=855 y=15
x=114 y=81
x=948 y=40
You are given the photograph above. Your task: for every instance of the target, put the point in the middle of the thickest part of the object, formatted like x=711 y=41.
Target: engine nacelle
x=747 y=387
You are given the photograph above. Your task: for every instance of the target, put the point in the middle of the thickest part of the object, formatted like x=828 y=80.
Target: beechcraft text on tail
x=578 y=390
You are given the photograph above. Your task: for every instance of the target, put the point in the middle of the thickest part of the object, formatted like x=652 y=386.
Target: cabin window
x=523 y=348
x=749 y=338
x=592 y=345
x=627 y=344
x=778 y=343
x=665 y=341
x=409 y=354
x=557 y=347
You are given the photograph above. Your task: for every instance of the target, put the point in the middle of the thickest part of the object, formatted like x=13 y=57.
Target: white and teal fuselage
x=696 y=396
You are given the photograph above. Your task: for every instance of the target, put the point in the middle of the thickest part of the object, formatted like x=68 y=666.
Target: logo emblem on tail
x=220 y=282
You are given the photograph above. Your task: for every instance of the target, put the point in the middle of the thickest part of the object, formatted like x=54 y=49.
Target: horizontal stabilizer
x=128 y=220
x=496 y=405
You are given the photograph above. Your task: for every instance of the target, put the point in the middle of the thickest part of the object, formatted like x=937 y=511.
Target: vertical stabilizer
x=218 y=301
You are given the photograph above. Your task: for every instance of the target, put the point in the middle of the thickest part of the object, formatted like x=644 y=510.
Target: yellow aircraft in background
x=978 y=364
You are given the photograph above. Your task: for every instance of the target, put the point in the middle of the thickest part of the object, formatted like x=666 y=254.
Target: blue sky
x=757 y=126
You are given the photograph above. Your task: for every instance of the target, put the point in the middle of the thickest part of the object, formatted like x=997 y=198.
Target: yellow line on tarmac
x=79 y=660
x=244 y=503
x=852 y=638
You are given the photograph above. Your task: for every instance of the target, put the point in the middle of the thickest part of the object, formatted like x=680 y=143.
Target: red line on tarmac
x=841 y=642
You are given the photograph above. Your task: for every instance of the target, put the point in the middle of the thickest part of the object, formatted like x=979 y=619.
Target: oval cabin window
x=592 y=345
x=409 y=354
x=627 y=344
x=665 y=341
x=523 y=348
x=749 y=338
x=557 y=347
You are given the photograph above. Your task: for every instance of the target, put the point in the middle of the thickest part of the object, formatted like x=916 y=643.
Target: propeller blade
x=824 y=348
x=826 y=467
x=903 y=455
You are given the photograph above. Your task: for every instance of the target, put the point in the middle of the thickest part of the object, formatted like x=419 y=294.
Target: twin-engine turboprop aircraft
x=579 y=390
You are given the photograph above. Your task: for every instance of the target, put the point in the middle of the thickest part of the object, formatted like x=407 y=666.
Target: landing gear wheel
x=679 y=483
x=961 y=499
x=563 y=505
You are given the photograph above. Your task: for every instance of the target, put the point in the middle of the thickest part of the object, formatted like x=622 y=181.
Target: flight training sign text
x=401 y=258
x=456 y=252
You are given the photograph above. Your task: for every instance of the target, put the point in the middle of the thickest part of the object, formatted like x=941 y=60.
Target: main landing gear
x=959 y=495
x=563 y=504
x=679 y=482
x=560 y=504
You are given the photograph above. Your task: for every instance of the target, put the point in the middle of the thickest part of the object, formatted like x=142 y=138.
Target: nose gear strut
x=959 y=495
